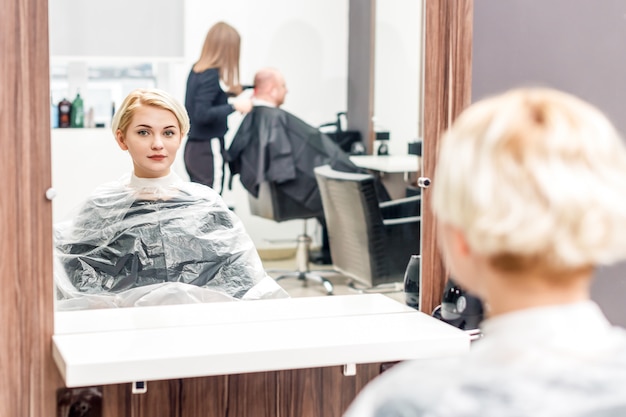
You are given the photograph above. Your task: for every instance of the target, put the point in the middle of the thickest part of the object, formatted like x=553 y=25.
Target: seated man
x=276 y=146
x=152 y=238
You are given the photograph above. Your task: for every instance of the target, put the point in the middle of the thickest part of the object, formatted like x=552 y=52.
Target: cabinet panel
x=321 y=391
x=313 y=392
x=161 y=399
x=253 y=395
x=207 y=396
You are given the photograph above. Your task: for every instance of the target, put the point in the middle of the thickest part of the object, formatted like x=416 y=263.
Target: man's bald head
x=269 y=85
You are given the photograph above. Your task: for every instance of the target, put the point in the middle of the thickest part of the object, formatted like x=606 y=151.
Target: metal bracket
x=140 y=387
x=349 y=369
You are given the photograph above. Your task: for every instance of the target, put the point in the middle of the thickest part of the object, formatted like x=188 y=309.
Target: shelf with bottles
x=72 y=114
x=102 y=84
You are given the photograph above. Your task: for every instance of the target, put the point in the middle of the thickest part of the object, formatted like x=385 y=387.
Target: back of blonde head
x=535 y=175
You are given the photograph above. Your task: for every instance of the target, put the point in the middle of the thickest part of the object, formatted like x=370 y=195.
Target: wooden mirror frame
x=28 y=377
x=447 y=91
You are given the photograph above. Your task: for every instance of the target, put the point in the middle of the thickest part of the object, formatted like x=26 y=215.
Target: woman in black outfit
x=212 y=79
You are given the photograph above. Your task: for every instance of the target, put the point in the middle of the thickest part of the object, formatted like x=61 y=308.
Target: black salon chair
x=370 y=242
x=272 y=204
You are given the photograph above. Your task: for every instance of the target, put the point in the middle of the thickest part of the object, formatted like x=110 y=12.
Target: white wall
x=115 y=28
x=397 y=73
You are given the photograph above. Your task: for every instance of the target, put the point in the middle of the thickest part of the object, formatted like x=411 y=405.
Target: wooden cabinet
x=312 y=392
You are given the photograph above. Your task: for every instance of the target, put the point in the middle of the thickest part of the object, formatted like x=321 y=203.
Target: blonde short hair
x=149 y=97
x=534 y=176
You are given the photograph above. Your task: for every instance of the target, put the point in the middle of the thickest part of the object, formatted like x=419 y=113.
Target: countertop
x=110 y=346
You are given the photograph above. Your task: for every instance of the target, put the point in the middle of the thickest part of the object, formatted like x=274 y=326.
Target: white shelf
x=387 y=163
x=110 y=346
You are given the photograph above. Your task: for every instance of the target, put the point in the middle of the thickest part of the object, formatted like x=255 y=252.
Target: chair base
x=309 y=276
x=302 y=262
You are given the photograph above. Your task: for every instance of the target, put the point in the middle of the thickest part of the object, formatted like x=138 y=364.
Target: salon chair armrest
x=402 y=240
x=402 y=207
x=402 y=220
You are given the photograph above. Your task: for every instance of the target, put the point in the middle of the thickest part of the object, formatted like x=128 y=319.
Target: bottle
x=89 y=118
x=54 y=115
x=412 y=282
x=77 y=112
x=65 y=112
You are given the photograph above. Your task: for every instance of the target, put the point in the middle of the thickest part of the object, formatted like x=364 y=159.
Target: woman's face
x=152 y=140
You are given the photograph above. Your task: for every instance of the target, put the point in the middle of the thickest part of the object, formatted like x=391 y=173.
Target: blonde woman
x=151 y=237
x=212 y=79
x=530 y=197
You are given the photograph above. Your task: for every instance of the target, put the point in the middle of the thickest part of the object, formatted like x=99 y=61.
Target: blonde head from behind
x=534 y=178
x=149 y=97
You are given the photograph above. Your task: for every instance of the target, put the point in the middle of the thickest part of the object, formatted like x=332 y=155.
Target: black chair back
x=275 y=205
x=364 y=245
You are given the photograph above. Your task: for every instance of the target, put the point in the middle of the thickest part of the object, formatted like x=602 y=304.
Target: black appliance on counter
x=459 y=308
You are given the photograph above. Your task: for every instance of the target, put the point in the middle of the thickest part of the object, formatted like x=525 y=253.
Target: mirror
x=314 y=64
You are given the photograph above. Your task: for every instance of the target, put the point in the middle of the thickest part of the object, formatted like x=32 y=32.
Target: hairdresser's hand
x=243 y=105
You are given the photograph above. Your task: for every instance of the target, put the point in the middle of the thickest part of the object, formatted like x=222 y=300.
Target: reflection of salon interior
x=307 y=355
x=102 y=69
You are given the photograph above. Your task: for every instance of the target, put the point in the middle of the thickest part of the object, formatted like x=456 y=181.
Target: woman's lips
x=157 y=157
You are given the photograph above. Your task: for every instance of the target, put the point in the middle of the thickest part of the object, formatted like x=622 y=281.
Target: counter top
x=387 y=163
x=110 y=346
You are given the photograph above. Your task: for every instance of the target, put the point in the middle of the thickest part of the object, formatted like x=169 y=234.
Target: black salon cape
x=275 y=146
x=132 y=245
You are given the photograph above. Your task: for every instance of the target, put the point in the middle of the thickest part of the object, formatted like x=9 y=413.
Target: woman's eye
x=169 y=133
x=142 y=133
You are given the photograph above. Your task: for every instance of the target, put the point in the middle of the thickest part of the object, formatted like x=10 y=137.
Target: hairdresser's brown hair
x=221 y=50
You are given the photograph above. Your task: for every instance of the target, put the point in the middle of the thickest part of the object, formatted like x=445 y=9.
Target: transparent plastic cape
x=162 y=241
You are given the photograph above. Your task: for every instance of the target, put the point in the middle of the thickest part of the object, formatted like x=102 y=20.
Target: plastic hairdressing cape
x=156 y=241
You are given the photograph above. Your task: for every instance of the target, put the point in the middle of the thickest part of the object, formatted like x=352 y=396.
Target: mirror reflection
x=308 y=42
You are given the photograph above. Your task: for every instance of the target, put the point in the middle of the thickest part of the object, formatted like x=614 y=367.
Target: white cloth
x=261 y=102
x=542 y=362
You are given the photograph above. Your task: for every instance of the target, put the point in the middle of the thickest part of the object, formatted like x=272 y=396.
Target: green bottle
x=78 y=113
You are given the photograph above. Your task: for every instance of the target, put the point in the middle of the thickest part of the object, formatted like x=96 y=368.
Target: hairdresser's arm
x=206 y=110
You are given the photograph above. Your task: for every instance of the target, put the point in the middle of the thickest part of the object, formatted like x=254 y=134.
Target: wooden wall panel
x=314 y=392
x=206 y=396
x=447 y=90
x=321 y=392
x=461 y=56
x=28 y=376
x=436 y=96
x=252 y=395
